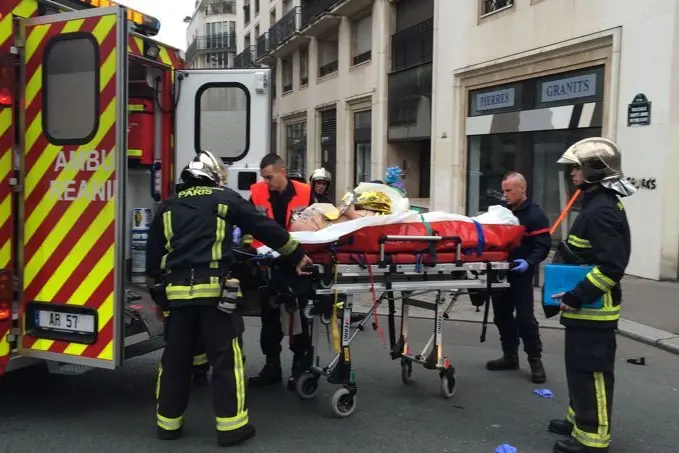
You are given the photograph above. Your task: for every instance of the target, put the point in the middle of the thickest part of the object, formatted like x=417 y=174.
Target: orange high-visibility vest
x=260 y=198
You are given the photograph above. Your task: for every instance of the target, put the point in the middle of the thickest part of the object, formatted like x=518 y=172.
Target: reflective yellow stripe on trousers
x=169 y=424
x=606 y=313
x=241 y=418
x=602 y=438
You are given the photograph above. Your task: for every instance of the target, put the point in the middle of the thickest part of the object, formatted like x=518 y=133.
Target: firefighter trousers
x=223 y=346
x=517 y=298
x=272 y=335
x=200 y=364
x=590 y=366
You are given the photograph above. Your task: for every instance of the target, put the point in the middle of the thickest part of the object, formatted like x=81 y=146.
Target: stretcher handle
x=388 y=238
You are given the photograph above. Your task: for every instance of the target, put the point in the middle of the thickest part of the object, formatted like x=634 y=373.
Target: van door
x=226 y=112
x=75 y=136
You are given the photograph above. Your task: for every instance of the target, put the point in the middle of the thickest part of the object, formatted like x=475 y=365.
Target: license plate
x=65 y=322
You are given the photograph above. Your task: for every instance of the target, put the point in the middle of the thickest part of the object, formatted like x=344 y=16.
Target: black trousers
x=200 y=363
x=590 y=372
x=517 y=298
x=271 y=334
x=223 y=345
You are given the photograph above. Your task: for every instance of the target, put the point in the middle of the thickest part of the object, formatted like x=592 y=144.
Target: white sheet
x=496 y=215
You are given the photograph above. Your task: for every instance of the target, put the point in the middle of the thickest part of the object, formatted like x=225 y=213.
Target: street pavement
x=113 y=411
x=650 y=311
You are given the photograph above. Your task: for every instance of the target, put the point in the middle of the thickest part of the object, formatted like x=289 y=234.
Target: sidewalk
x=650 y=312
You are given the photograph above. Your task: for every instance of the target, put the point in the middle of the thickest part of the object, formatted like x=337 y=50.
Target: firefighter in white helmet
x=320 y=182
x=600 y=237
x=189 y=272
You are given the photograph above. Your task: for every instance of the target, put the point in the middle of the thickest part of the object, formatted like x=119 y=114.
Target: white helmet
x=206 y=166
x=320 y=174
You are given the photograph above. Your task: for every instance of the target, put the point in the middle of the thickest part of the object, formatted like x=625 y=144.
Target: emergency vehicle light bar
x=148 y=25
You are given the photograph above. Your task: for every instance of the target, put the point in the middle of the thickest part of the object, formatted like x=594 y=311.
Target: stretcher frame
x=447 y=280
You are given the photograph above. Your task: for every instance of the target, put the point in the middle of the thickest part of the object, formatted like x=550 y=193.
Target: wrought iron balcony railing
x=328 y=69
x=406 y=89
x=225 y=42
x=213 y=7
x=311 y=9
x=245 y=59
x=412 y=46
x=490 y=6
x=263 y=45
x=362 y=57
x=285 y=28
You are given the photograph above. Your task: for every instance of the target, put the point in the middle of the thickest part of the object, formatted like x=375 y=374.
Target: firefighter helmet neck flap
x=600 y=162
x=206 y=168
x=321 y=174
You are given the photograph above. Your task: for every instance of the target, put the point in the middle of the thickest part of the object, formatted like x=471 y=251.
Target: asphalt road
x=103 y=411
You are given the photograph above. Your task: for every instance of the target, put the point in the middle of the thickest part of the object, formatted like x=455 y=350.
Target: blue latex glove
x=520 y=265
x=505 y=448
x=545 y=393
x=236 y=236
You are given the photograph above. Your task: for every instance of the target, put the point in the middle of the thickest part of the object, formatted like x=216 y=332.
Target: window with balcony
x=220 y=7
x=287 y=6
x=412 y=46
x=257 y=31
x=287 y=76
x=303 y=67
x=327 y=57
x=491 y=6
x=272 y=17
x=256 y=7
x=246 y=12
x=361 y=37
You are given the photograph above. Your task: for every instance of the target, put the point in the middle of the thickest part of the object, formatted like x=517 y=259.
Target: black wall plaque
x=639 y=111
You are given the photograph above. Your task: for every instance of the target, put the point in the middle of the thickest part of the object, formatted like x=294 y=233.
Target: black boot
x=537 y=371
x=573 y=446
x=231 y=438
x=165 y=434
x=563 y=427
x=271 y=374
x=506 y=362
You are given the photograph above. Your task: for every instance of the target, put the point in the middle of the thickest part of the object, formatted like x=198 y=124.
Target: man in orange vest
x=278 y=197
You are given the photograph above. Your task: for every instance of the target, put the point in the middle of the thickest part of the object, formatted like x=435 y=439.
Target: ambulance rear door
x=226 y=112
x=74 y=169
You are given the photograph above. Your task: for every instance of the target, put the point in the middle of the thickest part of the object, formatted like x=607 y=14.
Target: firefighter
x=320 y=181
x=188 y=266
x=279 y=198
x=599 y=237
x=526 y=258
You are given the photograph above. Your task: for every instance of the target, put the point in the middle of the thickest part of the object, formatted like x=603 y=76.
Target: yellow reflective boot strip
x=220 y=234
x=198 y=291
x=288 y=248
x=4 y=345
x=570 y=415
x=167 y=229
x=601 y=281
x=241 y=419
x=602 y=438
x=607 y=312
x=578 y=242
x=200 y=359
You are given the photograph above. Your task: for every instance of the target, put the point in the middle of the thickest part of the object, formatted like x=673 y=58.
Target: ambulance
x=97 y=119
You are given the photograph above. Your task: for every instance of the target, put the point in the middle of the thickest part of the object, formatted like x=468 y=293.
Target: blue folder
x=560 y=278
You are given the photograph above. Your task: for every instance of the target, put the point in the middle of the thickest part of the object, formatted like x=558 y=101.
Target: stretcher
x=469 y=257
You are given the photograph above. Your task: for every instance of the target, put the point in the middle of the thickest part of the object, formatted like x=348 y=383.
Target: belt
x=198 y=274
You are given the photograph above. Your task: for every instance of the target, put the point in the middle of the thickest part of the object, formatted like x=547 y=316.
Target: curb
x=642 y=333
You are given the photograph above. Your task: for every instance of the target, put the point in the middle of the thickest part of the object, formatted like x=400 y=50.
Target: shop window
x=362 y=146
x=223 y=120
x=362 y=38
x=71 y=84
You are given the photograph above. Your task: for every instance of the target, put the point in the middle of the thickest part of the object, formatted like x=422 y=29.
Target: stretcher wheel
x=326 y=319
x=307 y=311
x=307 y=386
x=343 y=403
x=406 y=371
x=448 y=383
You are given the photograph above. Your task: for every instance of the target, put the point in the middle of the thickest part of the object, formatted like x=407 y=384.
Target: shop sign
x=643 y=183
x=493 y=100
x=576 y=87
x=639 y=111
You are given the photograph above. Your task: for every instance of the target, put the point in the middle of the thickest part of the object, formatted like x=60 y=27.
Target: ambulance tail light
x=5 y=294
x=6 y=98
x=143 y=23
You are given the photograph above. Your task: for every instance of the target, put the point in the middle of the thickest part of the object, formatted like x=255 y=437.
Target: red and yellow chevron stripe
x=167 y=55
x=69 y=242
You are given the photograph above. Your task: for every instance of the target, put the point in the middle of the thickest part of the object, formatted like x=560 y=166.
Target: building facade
x=352 y=85
x=533 y=77
x=211 y=34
